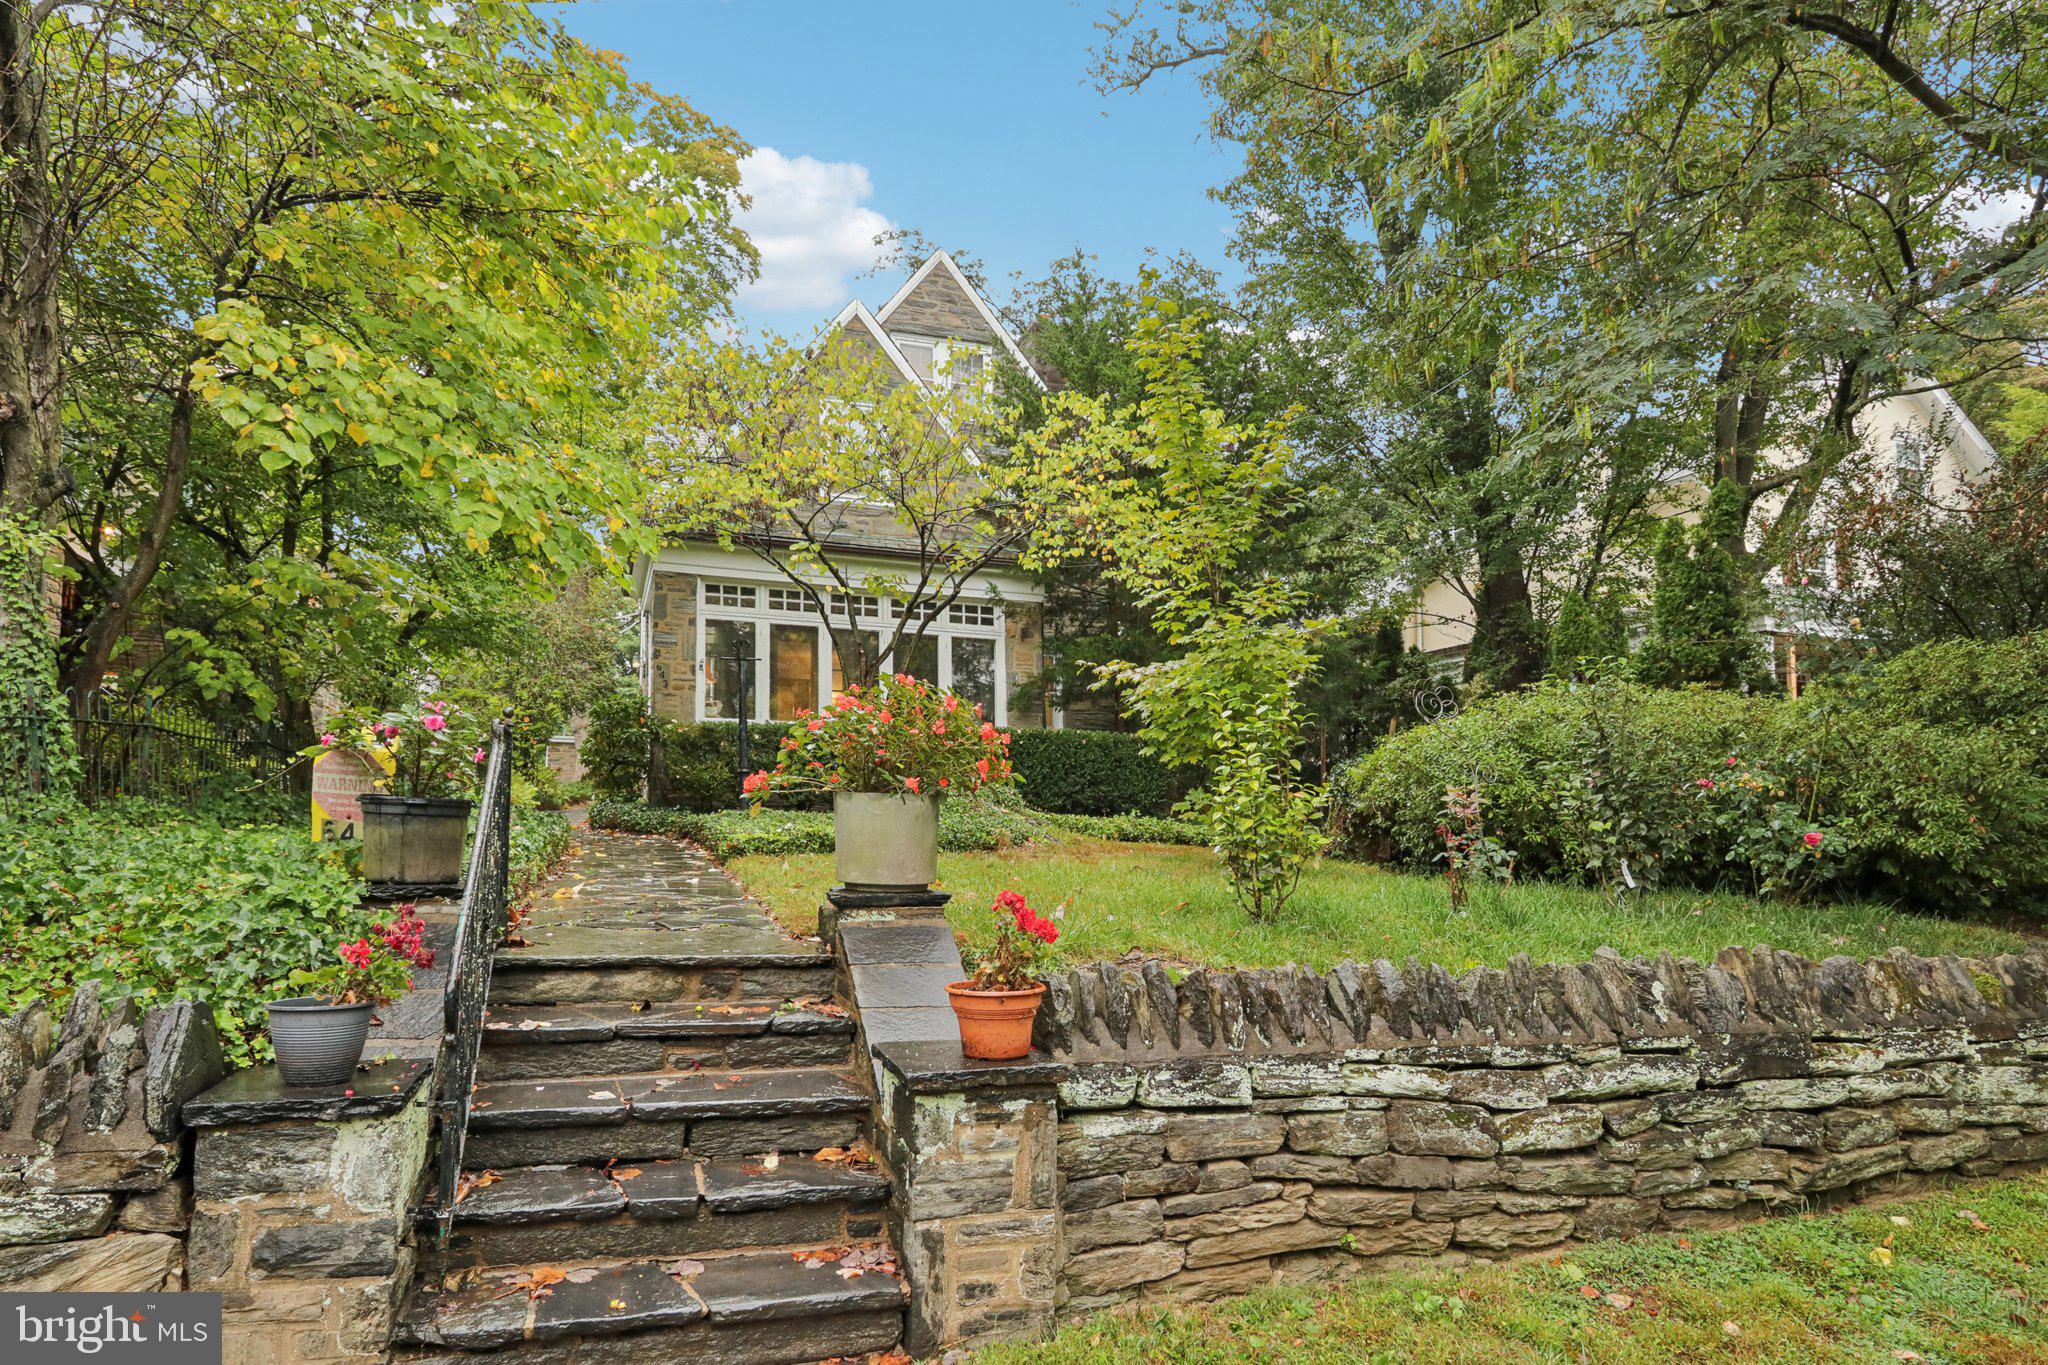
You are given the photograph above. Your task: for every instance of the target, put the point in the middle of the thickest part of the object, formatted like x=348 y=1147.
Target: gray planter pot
x=317 y=1043
x=885 y=842
x=413 y=840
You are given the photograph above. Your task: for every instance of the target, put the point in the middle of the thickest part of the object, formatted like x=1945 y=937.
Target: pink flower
x=1811 y=838
x=436 y=723
x=1705 y=784
x=329 y=740
x=885 y=717
x=478 y=756
x=1731 y=760
x=911 y=783
x=814 y=726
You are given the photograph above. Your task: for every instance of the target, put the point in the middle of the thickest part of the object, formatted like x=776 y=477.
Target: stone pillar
x=970 y=1147
x=302 y=1206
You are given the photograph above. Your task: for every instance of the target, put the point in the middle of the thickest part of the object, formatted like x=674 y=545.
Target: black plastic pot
x=413 y=840
x=317 y=1043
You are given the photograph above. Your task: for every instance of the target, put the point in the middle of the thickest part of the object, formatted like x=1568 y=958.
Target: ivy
x=37 y=749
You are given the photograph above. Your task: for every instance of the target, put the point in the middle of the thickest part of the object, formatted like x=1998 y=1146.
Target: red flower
x=1812 y=838
x=357 y=954
x=988 y=732
x=1731 y=760
x=755 y=782
x=1012 y=902
x=1705 y=784
x=910 y=782
x=981 y=769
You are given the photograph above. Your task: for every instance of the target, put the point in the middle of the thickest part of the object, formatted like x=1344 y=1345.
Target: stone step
x=748 y=1307
x=526 y=1042
x=575 y=965
x=664 y=1208
x=703 y=1113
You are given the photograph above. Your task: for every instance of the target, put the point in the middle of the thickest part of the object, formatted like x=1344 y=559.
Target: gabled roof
x=856 y=313
x=943 y=262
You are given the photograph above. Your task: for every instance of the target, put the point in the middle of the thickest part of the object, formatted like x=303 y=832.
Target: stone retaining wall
x=93 y=1189
x=1229 y=1129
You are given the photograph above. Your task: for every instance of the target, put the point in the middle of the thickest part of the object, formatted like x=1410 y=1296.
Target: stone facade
x=93 y=1195
x=1233 y=1129
x=938 y=308
x=303 y=1226
x=672 y=645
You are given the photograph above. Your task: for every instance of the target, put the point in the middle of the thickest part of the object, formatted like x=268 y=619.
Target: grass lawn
x=1174 y=903
x=1953 y=1276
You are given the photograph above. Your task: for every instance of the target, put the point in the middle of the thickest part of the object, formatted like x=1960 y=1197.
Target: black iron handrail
x=485 y=903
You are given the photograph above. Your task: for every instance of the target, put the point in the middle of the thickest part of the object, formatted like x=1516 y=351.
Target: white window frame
x=761 y=616
x=941 y=373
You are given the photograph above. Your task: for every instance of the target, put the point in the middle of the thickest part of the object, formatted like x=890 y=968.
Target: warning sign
x=340 y=780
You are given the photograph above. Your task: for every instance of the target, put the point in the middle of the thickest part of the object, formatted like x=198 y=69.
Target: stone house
x=1920 y=441
x=703 y=608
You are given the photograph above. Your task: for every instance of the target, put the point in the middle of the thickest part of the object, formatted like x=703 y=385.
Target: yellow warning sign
x=340 y=780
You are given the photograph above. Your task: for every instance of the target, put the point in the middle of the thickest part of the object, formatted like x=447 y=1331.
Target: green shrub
x=1091 y=772
x=701 y=762
x=616 y=745
x=1926 y=779
x=539 y=839
x=161 y=906
x=1129 y=829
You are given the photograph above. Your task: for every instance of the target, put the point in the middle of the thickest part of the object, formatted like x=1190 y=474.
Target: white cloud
x=811 y=226
x=1990 y=215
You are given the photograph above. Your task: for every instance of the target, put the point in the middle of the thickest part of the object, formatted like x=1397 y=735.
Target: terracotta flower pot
x=995 y=1025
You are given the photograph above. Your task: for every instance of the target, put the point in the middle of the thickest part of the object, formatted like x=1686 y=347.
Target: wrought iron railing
x=485 y=903
x=133 y=746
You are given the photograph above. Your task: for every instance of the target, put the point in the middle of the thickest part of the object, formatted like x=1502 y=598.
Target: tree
x=1758 y=215
x=1587 y=632
x=1968 y=563
x=1423 y=403
x=335 y=262
x=1700 y=609
x=1172 y=500
x=807 y=458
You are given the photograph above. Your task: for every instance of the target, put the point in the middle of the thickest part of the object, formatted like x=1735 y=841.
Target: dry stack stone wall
x=1227 y=1129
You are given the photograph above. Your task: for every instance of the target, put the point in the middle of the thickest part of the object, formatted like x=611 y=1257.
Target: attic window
x=919 y=354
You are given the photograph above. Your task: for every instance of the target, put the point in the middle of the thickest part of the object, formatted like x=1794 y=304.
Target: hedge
x=1091 y=772
x=1926 y=780
x=700 y=762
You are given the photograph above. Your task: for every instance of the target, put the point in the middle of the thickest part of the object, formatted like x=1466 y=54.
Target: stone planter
x=995 y=1026
x=317 y=1043
x=413 y=840
x=885 y=842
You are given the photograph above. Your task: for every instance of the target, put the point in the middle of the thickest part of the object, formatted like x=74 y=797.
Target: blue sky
x=974 y=122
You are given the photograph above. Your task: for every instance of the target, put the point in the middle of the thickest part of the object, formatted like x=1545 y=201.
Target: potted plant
x=318 y=1036
x=887 y=755
x=998 y=1002
x=414 y=828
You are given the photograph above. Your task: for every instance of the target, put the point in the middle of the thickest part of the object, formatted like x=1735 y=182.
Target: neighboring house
x=1920 y=440
x=704 y=607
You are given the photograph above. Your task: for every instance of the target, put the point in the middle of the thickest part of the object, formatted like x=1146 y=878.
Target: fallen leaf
x=1881 y=1255
x=1620 y=1301
x=468 y=1184
x=583 y=1274
x=618 y=1304
x=684 y=1269
x=541 y=1282
x=625 y=1172
x=1587 y=1291
x=1732 y=1329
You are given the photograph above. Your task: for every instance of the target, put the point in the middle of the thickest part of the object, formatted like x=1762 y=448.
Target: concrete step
x=746 y=1308
x=703 y=1113
x=664 y=1208
x=530 y=1042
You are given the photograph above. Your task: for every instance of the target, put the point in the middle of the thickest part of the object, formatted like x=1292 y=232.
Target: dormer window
x=920 y=354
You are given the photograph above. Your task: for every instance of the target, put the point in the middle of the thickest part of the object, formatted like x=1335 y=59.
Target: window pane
x=869 y=643
x=723 y=640
x=974 y=674
x=792 y=671
x=918 y=655
x=919 y=354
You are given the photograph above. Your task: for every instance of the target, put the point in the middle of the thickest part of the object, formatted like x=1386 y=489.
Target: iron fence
x=126 y=746
x=485 y=903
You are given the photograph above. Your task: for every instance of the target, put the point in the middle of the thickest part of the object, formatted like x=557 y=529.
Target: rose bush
x=901 y=735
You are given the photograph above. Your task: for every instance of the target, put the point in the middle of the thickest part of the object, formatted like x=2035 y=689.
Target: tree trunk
x=31 y=334
x=1506 y=645
x=94 y=655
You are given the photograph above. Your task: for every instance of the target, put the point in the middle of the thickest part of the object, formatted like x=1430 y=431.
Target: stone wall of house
x=1024 y=660
x=938 y=308
x=1230 y=1129
x=672 y=654
x=95 y=1192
